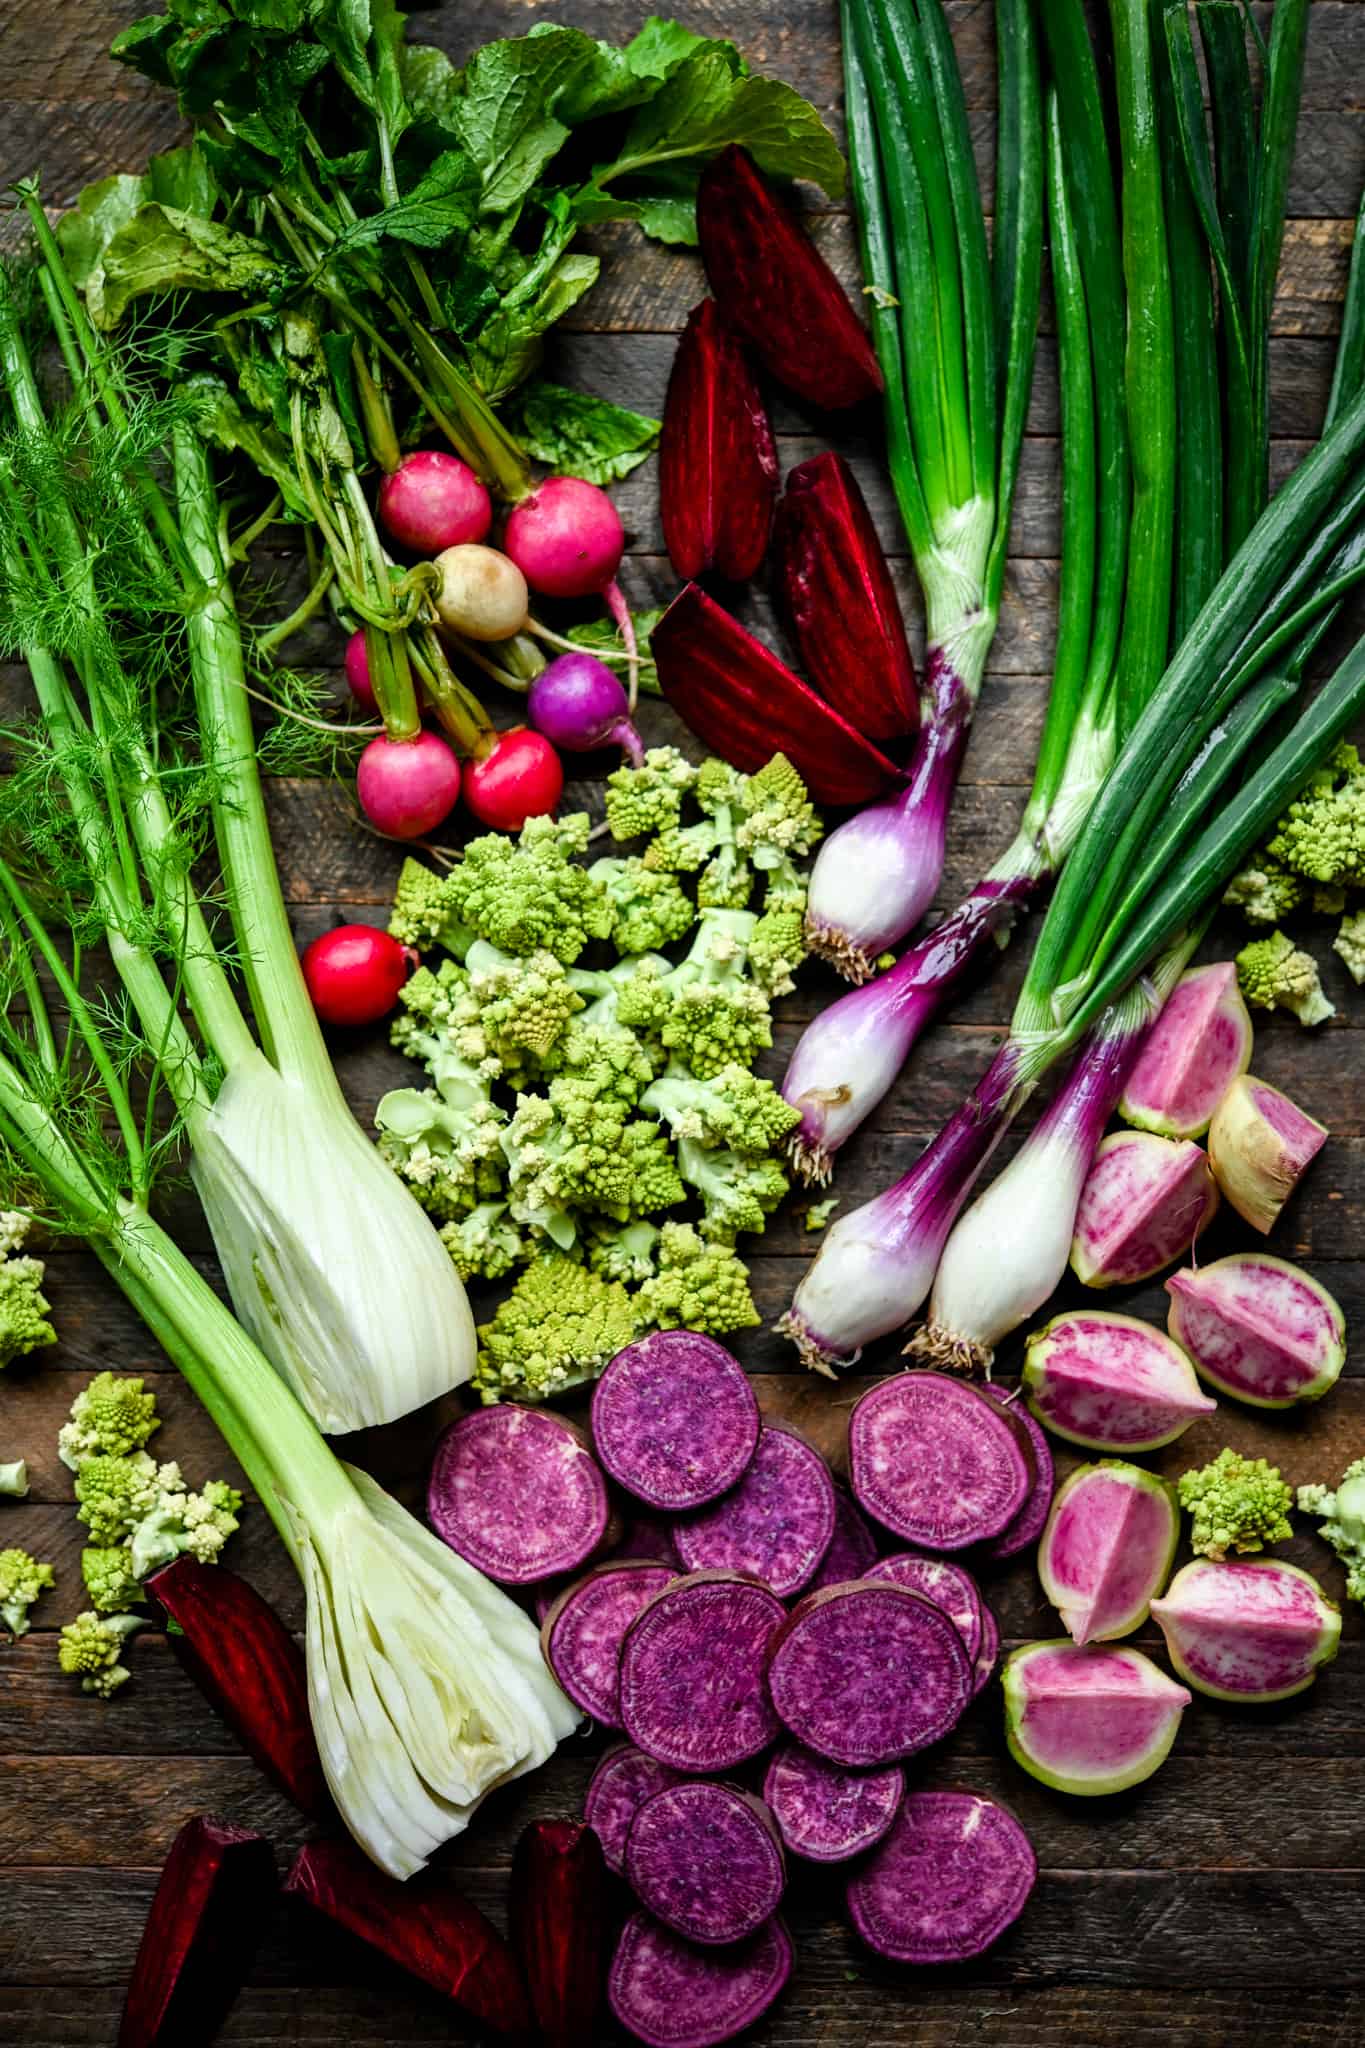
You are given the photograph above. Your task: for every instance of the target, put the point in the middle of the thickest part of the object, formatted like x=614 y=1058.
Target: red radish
x=522 y=778
x=358 y=672
x=434 y=501
x=407 y=787
x=482 y=593
x=579 y=704
x=354 y=974
x=567 y=540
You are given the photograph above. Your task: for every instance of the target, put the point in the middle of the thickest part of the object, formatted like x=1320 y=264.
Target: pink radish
x=1089 y=1720
x=1251 y=1630
x=567 y=540
x=358 y=672
x=354 y=973
x=579 y=704
x=1144 y=1203
x=434 y=501
x=522 y=778
x=407 y=787
x=1259 y=1329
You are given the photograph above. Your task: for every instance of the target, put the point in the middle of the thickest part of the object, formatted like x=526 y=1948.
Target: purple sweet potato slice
x=1248 y=1630
x=557 y=1910
x=517 y=1493
x=1028 y=1524
x=825 y=1813
x=717 y=462
x=776 y=1525
x=669 y=1993
x=955 y=1871
x=693 y=1690
x=216 y=1888
x=649 y=1538
x=1144 y=1203
x=940 y=1579
x=1259 y=1329
x=1090 y=1720
x=935 y=1462
x=617 y=1789
x=1191 y=1056
x=706 y=1860
x=582 y=1634
x=1108 y=1548
x=675 y=1420
x=852 y=1547
x=988 y=1656
x=867 y=1674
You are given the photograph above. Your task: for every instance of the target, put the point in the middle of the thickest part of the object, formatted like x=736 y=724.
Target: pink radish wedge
x=1259 y=1329
x=1111 y=1383
x=1191 y=1056
x=1108 y=1548
x=1248 y=1630
x=1260 y=1146
x=1144 y=1203
x=1089 y=1721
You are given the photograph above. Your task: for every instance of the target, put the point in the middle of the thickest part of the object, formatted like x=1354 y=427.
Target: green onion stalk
x=335 y=1270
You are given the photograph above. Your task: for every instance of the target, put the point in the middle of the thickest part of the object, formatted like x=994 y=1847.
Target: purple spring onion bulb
x=579 y=705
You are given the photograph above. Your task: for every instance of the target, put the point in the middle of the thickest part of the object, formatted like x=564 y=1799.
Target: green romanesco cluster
x=22 y=1580
x=1274 y=975
x=1342 y=1524
x=1237 y=1504
x=23 y=1306
x=1314 y=860
x=111 y=1418
x=89 y=1648
x=589 y=1028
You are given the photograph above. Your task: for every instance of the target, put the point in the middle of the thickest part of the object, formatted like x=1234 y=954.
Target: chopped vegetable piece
x=693 y=1689
x=933 y=1461
x=1108 y=1548
x=1260 y=1146
x=111 y=1417
x=22 y=1580
x=89 y=1648
x=518 y=1493
x=1236 y=1503
x=1343 y=1525
x=670 y=1994
x=1248 y=1631
x=559 y=1327
x=940 y=1579
x=869 y=1673
x=14 y=1479
x=23 y=1305
x=212 y=1900
x=1090 y=1720
x=1191 y=1056
x=675 y=1420
x=717 y=460
x=1111 y=1383
x=955 y=1871
x=1027 y=1525
x=825 y=1813
x=852 y=1547
x=1143 y=1205
x=1259 y=1329
x=558 y=1916
x=707 y=1861
x=620 y=1785
x=583 y=1632
x=774 y=1525
x=1274 y=975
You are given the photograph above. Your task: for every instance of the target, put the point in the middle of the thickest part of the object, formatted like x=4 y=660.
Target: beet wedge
x=836 y=590
x=212 y=1901
x=777 y=289
x=424 y=1926
x=717 y=462
x=248 y=1666
x=746 y=705
x=559 y=1927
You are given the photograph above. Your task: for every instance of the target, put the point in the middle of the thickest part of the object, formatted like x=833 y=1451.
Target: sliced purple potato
x=582 y=1634
x=868 y=1674
x=693 y=1690
x=1027 y=1525
x=988 y=1656
x=675 y=1420
x=1144 y=1203
x=670 y=1994
x=518 y=1494
x=1111 y=1383
x=1250 y=1630
x=1260 y=1145
x=1090 y=1720
x=707 y=1860
x=852 y=1547
x=955 y=1871
x=775 y=1525
x=825 y=1813
x=617 y=1789
x=940 y=1579
x=1193 y=1053
x=1108 y=1548
x=1259 y=1329
x=935 y=1462
x=650 y=1538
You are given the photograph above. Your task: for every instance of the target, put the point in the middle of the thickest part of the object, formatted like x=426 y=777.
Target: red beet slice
x=675 y=1420
x=670 y=1994
x=868 y=1674
x=693 y=1692
x=852 y=1547
x=617 y=1789
x=941 y=1580
x=827 y=1814
x=582 y=1634
x=936 y=1462
x=423 y=1925
x=777 y=288
x=707 y=1861
x=836 y=590
x=955 y=1871
x=746 y=705
x=212 y=1900
x=1029 y=1523
x=248 y=1666
x=558 y=1917
x=717 y=462
x=517 y=1493
x=775 y=1525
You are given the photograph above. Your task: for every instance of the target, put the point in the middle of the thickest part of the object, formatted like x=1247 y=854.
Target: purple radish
x=670 y=1994
x=482 y=594
x=1248 y=1631
x=406 y=788
x=1108 y=1548
x=707 y=1861
x=1111 y=1383
x=617 y=1789
x=675 y=1421
x=1089 y=1721
x=1260 y=1146
x=1027 y=1525
x=580 y=705
x=582 y=1633
x=775 y=1525
x=955 y=1871
x=518 y=1494
x=1144 y=1203
x=693 y=1693
x=988 y=1656
x=357 y=664
x=434 y=501
x=852 y=1547
x=1259 y=1329
x=942 y=1580
x=825 y=1813
x=935 y=1462
x=1191 y=1056
x=868 y=1674
x=567 y=540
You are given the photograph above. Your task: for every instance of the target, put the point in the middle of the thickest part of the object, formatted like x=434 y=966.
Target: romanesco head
x=1264 y=892
x=531 y=893
x=648 y=798
x=777 y=949
x=655 y=1182
x=711 y=1025
x=109 y=1578
x=422 y=915
x=22 y=1579
x=447 y=1153
x=1273 y=974
x=90 y=1648
x=486 y=1244
x=1349 y=944
x=558 y=1329
x=738 y=1191
x=111 y=1416
x=114 y=1494
x=734 y=1107
x=23 y=1309
x=1322 y=834
x=779 y=818
x=524 y=1006
x=1343 y=1522
x=1238 y=1504
x=613 y=1066
x=699 y=1285
x=649 y=908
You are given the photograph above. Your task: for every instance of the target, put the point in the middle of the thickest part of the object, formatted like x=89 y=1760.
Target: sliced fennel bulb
x=307 y=1219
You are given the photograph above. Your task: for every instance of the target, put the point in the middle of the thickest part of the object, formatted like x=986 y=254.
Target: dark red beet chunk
x=670 y=1994
x=558 y=1916
x=693 y=1693
x=955 y=1871
x=675 y=1420
x=215 y=1892
x=717 y=462
x=775 y=1525
x=867 y=1674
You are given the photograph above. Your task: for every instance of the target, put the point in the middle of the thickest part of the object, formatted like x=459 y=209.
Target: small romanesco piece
x=109 y=1578
x=90 y=1647
x=23 y=1306
x=649 y=907
x=1272 y=974
x=708 y=1014
x=628 y=1251
x=819 y=1213
x=558 y=1329
x=1238 y=1504
x=738 y=1190
x=1322 y=834
x=699 y=1285
x=649 y=798
x=109 y=1418
x=777 y=948
x=1343 y=1522
x=734 y=1107
x=531 y=893
x=486 y=1244
x=422 y=914
x=524 y=1007
x=22 y=1580
x=147 y=1508
x=1349 y=944
x=1265 y=892
x=113 y=1495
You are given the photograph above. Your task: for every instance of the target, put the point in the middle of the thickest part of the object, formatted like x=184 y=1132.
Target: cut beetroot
x=1108 y=1548
x=1111 y=1383
x=955 y=1871
x=1089 y=1721
x=825 y=1813
x=424 y=1925
x=852 y=1547
x=518 y=1494
x=693 y=1691
x=557 y=1910
x=212 y=1899
x=1250 y=1630
x=675 y=1420
x=940 y=1579
x=776 y=1525
x=935 y=1462
x=1260 y=1146
x=707 y=1861
x=840 y=601
x=1144 y=1203
x=988 y=1656
x=1028 y=1524
x=746 y=705
x=717 y=462
x=670 y=1994
x=1259 y=1329
x=1191 y=1056
x=867 y=1674
x=582 y=1634
x=618 y=1788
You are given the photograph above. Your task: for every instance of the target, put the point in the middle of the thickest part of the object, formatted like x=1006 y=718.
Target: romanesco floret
x=114 y=1494
x=738 y=1190
x=699 y=1285
x=649 y=798
x=819 y=1213
x=559 y=1327
x=1343 y=1522
x=1349 y=944
x=649 y=907
x=705 y=1010
x=181 y=1521
x=14 y=1479
x=530 y=893
x=626 y=1252
x=580 y=1146
x=779 y=823
x=734 y=1107
x=778 y=947
x=486 y=1244
x=109 y=1578
x=1237 y=1504
x=1322 y=834
x=110 y=1417
x=422 y=915
x=22 y=1579
x=611 y=1065
x=1272 y=974
x=23 y=1306
x=524 y=1006
x=447 y=1152
x=440 y=1024
x=90 y=1648
x=1265 y=892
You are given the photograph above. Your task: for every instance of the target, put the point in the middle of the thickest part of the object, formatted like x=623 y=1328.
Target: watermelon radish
x=1108 y=1548
x=1144 y=1203
x=826 y=1813
x=1260 y=1146
x=1089 y=1720
x=1250 y=1630
x=1191 y=1056
x=1259 y=1329
x=955 y=1871
x=1111 y=1383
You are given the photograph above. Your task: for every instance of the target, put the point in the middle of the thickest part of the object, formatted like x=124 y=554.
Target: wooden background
x=1222 y=1903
